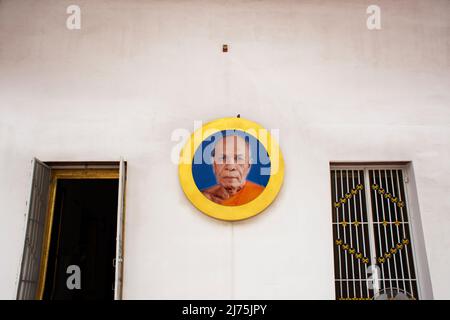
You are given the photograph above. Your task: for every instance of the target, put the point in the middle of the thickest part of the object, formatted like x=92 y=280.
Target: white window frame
x=424 y=286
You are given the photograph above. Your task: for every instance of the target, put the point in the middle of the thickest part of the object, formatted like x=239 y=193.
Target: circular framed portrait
x=231 y=169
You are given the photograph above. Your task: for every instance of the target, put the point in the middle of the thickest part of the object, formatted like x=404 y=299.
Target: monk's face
x=231 y=162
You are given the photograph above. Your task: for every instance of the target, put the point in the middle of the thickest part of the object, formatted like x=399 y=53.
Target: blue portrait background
x=203 y=172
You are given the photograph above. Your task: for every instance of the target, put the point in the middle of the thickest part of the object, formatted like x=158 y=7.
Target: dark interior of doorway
x=83 y=234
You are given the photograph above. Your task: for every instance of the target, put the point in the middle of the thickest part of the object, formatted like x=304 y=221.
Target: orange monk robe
x=249 y=192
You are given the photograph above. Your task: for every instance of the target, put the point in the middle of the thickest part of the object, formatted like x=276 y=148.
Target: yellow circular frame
x=231 y=213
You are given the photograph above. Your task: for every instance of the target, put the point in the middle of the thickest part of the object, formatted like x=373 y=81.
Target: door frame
x=69 y=171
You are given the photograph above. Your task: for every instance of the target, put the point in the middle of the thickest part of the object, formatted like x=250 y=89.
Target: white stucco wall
x=137 y=70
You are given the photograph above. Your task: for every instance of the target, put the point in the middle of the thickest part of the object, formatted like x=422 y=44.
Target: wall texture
x=137 y=70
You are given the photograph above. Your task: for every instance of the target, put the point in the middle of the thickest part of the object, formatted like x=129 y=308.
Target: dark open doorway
x=83 y=234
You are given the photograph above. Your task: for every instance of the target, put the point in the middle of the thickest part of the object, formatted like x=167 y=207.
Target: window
x=372 y=236
x=75 y=219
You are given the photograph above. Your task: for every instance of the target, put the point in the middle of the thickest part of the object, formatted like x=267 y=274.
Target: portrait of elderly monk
x=231 y=163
